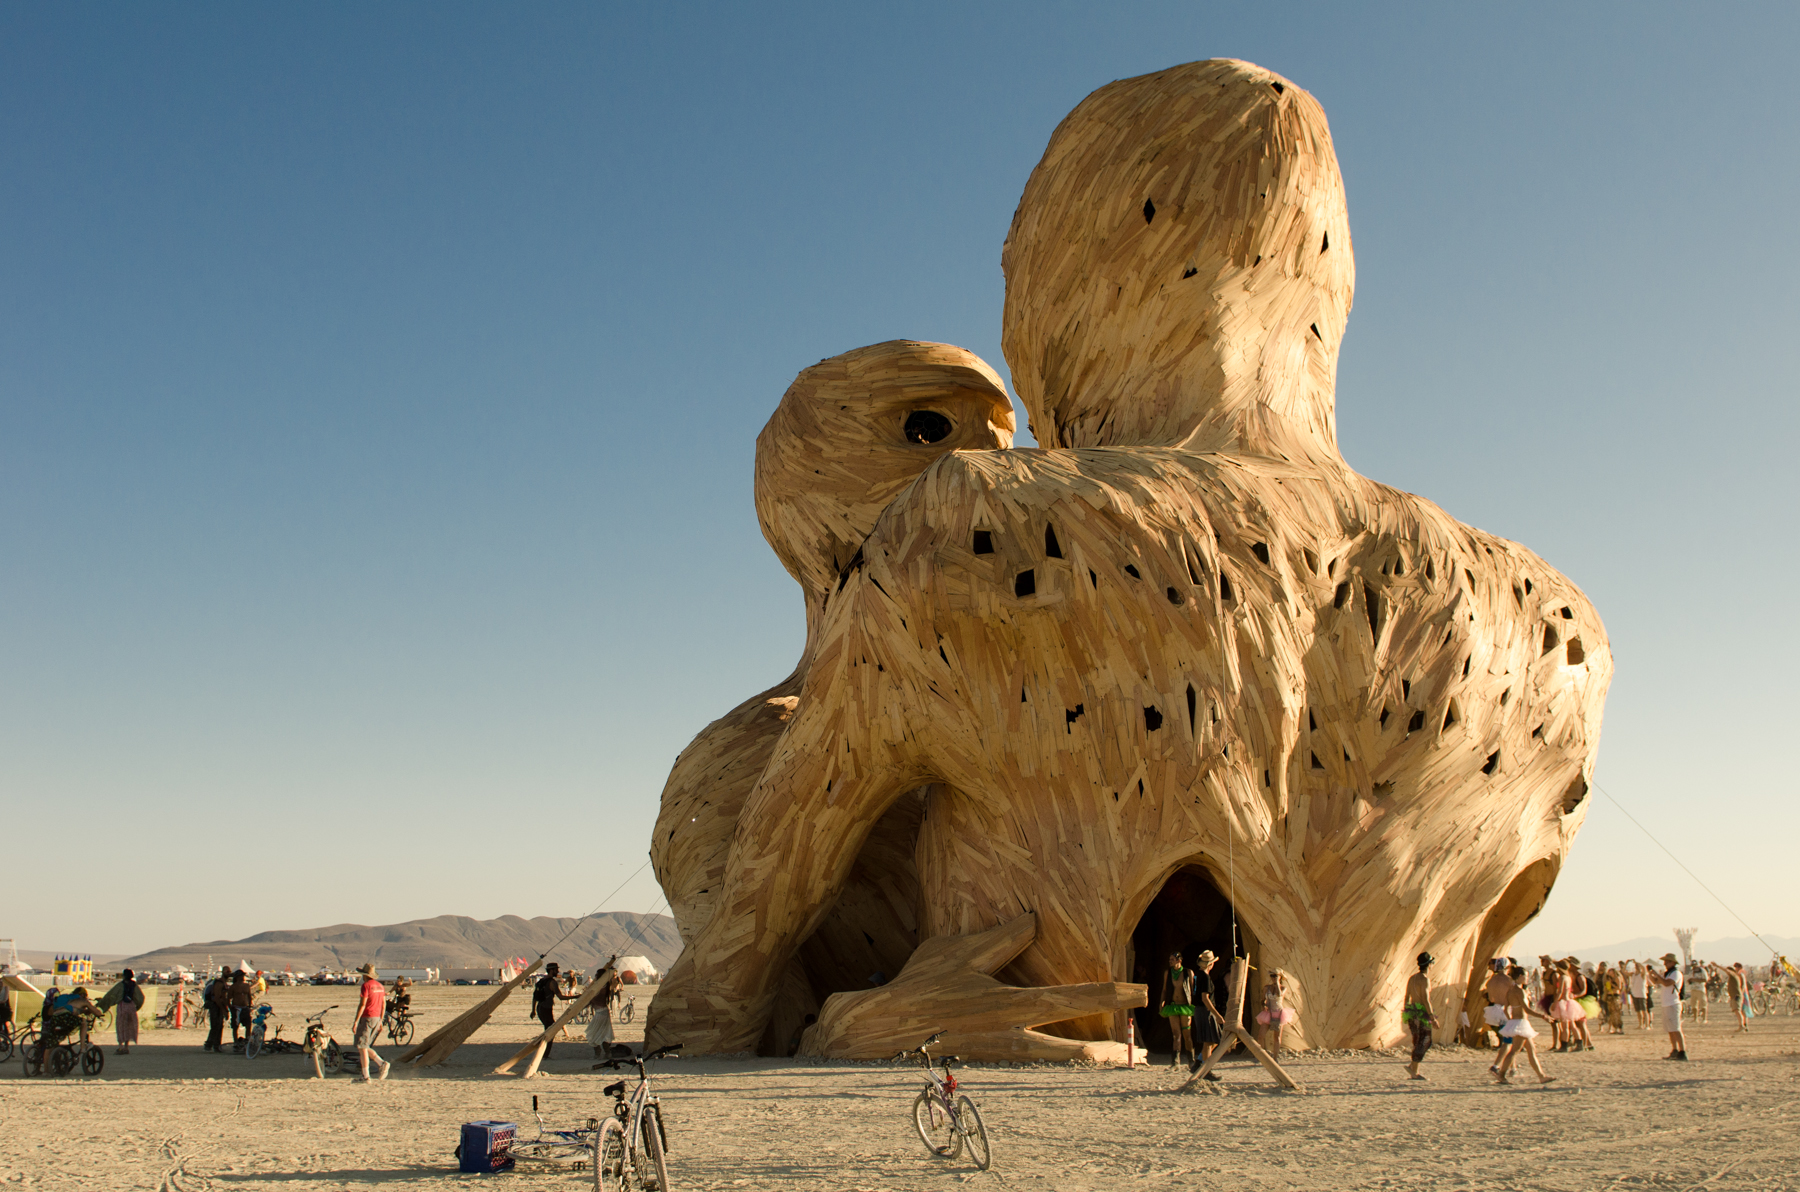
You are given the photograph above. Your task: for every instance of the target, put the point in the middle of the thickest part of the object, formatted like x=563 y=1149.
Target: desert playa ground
x=170 y=1117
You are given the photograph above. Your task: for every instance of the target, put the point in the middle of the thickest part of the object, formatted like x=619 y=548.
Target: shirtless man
x=1417 y=1014
x=1737 y=992
x=1498 y=986
x=1518 y=1032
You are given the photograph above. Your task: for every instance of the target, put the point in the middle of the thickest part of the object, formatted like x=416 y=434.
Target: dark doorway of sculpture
x=1188 y=915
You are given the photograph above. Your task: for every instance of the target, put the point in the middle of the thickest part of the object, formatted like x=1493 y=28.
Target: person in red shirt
x=368 y=1021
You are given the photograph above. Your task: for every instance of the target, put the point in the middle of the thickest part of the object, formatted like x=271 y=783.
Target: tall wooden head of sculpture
x=1183 y=642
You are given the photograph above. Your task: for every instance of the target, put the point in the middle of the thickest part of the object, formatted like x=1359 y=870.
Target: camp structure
x=641 y=970
x=1177 y=678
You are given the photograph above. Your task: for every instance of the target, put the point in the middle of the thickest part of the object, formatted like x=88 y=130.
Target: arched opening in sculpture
x=1518 y=904
x=1190 y=914
x=869 y=933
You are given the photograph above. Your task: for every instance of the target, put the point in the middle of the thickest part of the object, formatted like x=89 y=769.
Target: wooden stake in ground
x=1234 y=1015
x=436 y=1047
x=536 y=1049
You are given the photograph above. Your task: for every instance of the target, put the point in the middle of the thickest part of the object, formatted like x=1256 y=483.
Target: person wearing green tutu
x=1177 y=1005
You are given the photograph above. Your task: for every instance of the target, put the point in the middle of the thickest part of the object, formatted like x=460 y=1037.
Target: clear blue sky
x=379 y=385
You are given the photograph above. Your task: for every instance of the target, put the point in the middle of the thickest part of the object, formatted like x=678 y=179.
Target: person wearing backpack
x=1670 y=989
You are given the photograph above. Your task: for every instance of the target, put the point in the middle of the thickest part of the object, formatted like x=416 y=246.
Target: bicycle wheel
x=609 y=1157
x=93 y=1060
x=629 y=1012
x=932 y=1121
x=34 y=1059
x=6 y=1048
x=253 y=1046
x=62 y=1060
x=334 y=1057
x=651 y=1163
x=974 y=1131
x=403 y=1033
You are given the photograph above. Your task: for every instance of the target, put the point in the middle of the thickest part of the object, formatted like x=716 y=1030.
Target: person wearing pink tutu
x=1517 y=1033
x=1274 y=1015
x=1565 y=1011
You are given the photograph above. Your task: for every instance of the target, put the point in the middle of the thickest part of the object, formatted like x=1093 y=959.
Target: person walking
x=1518 y=1033
x=1737 y=992
x=1639 y=985
x=124 y=999
x=1668 y=992
x=217 y=996
x=544 y=996
x=1177 y=1005
x=239 y=998
x=1274 y=1015
x=1417 y=1014
x=1495 y=989
x=600 y=1026
x=1209 y=1020
x=369 y=1007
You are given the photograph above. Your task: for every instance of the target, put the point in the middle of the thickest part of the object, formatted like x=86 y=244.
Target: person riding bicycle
x=63 y=1013
x=400 y=1001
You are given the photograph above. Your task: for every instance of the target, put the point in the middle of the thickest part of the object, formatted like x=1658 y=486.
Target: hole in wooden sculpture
x=1430 y=569
x=1022 y=698
x=1527 y=587
x=1342 y=594
x=855 y=564
x=1325 y=242
x=1417 y=722
x=1331 y=568
x=1538 y=731
x=1382 y=790
x=1577 y=655
x=1188 y=272
x=1550 y=639
x=1372 y=606
x=1517 y=905
x=1093 y=580
x=1406 y=689
x=1224 y=588
x=1132 y=571
x=1347 y=756
x=1316 y=763
x=1190 y=914
x=1568 y=613
x=1192 y=559
x=1493 y=763
x=1518 y=596
x=1577 y=791
x=1266 y=782
x=1192 y=703
x=1312 y=561
x=1149 y=211
x=1025 y=583
x=1315 y=331
x=1071 y=715
x=1312 y=725
x=1466 y=662
x=984 y=542
x=1052 y=548
x=926 y=426
x=1152 y=719
x=1175 y=597
x=1504 y=696
x=1279 y=89
x=1451 y=714
x=865 y=930
x=1261 y=551
x=1399 y=566
x=1384 y=716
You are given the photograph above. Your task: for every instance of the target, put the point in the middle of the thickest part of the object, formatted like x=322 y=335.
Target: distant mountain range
x=448 y=941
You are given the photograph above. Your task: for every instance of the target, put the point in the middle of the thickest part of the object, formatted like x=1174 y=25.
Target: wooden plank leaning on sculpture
x=436 y=1047
x=948 y=986
x=1234 y=1016
x=536 y=1049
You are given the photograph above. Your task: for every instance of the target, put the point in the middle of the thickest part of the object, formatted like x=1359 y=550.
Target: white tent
x=646 y=972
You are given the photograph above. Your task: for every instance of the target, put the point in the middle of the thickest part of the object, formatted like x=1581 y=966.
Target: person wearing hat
x=1209 y=1024
x=1417 y=1014
x=544 y=996
x=1668 y=992
x=369 y=1009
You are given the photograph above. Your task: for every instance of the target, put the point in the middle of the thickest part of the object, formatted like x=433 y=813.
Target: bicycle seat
x=616 y=1089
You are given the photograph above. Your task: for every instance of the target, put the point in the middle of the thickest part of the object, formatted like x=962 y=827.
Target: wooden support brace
x=1234 y=1014
x=588 y=993
x=436 y=1047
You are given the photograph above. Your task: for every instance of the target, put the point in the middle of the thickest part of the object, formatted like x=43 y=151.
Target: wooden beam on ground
x=588 y=993
x=436 y=1047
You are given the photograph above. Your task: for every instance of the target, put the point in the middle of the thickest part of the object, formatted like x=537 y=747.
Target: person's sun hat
x=367 y=970
x=1670 y=957
x=1205 y=958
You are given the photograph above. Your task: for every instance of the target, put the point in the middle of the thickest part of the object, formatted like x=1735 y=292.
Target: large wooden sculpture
x=1183 y=644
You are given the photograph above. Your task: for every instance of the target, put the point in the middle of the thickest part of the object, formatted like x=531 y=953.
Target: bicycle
x=581 y=1143
x=634 y=1141
x=628 y=1011
x=20 y=1039
x=60 y=1058
x=399 y=1027
x=324 y=1050
x=945 y=1118
x=192 y=1015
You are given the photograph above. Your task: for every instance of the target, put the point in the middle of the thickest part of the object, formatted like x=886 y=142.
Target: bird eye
x=926 y=426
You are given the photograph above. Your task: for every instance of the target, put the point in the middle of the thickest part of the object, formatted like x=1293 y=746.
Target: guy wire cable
x=1665 y=848
x=595 y=911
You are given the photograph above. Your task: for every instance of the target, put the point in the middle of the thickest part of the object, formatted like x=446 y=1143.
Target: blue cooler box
x=487 y=1146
